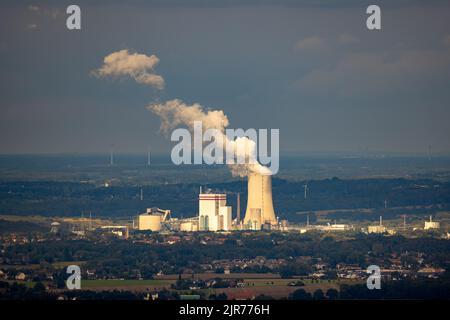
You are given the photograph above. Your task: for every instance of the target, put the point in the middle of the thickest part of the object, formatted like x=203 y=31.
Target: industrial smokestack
x=259 y=200
x=238 y=207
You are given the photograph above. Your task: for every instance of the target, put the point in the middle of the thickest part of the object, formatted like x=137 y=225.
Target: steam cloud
x=175 y=113
x=137 y=66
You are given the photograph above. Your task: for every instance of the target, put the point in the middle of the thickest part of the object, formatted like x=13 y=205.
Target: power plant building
x=431 y=224
x=377 y=228
x=189 y=225
x=337 y=227
x=214 y=214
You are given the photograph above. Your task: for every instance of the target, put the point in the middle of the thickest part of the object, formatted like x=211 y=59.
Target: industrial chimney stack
x=238 y=207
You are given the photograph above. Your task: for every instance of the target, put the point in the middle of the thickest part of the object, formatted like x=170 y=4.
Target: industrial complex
x=215 y=215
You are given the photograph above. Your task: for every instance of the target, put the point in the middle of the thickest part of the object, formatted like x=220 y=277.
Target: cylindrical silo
x=149 y=222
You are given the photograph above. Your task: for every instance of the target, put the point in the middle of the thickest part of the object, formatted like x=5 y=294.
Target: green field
x=123 y=283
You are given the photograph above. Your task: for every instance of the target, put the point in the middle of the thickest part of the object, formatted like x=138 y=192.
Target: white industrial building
x=214 y=214
x=120 y=231
x=188 y=225
x=431 y=224
x=335 y=227
x=377 y=228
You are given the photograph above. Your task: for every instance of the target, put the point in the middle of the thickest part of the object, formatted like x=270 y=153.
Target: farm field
x=278 y=288
x=130 y=285
x=206 y=276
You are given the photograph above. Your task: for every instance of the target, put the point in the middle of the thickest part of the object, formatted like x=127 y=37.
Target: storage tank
x=260 y=197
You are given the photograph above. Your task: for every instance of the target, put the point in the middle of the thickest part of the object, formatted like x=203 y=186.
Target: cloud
x=358 y=74
x=175 y=112
x=346 y=38
x=53 y=13
x=140 y=67
x=32 y=26
x=33 y=8
x=446 y=40
x=313 y=43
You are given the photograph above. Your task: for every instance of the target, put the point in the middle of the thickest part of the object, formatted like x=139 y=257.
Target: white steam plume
x=175 y=113
x=140 y=67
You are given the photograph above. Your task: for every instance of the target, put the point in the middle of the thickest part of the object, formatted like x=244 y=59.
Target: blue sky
x=309 y=68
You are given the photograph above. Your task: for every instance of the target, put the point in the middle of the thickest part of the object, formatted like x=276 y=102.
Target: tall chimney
x=260 y=197
x=238 y=207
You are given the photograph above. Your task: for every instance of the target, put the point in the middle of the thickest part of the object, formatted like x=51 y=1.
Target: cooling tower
x=259 y=197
